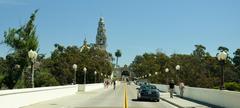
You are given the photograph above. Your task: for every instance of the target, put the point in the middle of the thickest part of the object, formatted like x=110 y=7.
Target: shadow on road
x=141 y=100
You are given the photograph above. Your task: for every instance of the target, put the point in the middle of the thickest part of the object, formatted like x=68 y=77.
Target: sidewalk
x=179 y=102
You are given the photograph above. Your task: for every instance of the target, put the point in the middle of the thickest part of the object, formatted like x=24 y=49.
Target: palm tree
x=118 y=54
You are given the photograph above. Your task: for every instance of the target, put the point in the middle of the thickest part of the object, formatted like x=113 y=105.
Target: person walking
x=181 y=89
x=171 y=88
x=114 y=85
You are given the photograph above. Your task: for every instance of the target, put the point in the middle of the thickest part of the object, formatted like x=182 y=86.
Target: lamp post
x=178 y=74
x=167 y=70
x=222 y=57
x=85 y=71
x=95 y=73
x=156 y=73
x=75 y=73
x=33 y=56
x=17 y=66
x=101 y=76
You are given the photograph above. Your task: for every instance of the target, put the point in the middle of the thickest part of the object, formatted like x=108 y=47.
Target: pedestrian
x=181 y=88
x=114 y=85
x=107 y=83
x=171 y=88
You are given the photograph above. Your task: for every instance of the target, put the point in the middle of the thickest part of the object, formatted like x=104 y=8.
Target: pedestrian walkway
x=179 y=102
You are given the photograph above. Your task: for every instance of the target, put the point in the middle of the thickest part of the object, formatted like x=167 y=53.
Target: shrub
x=233 y=86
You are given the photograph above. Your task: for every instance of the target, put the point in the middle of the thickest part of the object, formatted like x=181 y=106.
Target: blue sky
x=134 y=26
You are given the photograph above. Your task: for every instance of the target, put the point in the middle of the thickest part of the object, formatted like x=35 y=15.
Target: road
x=103 y=98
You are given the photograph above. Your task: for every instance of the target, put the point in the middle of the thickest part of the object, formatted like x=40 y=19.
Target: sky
x=133 y=26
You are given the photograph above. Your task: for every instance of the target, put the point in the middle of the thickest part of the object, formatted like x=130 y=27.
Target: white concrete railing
x=90 y=87
x=223 y=98
x=22 y=97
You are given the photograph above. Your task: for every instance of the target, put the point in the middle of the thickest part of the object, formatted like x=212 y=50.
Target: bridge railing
x=22 y=97
x=222 y=98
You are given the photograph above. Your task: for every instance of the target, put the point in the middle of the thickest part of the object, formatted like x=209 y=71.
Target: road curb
x=171 y=102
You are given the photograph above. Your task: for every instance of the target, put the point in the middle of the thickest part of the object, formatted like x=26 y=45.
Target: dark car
x=142 y=82
x=148 y=92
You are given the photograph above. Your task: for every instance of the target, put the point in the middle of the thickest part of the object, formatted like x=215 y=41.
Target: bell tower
x=101 y=38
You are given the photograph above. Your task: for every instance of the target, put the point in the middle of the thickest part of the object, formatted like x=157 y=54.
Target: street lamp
x=33 y=56
x=167 y=70
x=178 y=69
x=85 y=70
x=101 y=76
x=17 y=66
x=150 y=75
x=95 y=73
x=222 y=57
x=75 y=73
x=156 y=73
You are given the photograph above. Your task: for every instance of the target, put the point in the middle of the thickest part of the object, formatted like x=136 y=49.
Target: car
x=148 y=92
x=142 y=83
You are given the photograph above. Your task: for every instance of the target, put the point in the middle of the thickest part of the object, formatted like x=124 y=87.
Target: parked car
x=148 y=92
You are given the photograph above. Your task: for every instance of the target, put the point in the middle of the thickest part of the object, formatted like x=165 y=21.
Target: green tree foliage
x=233 y=86
x=222 y=48
x=236 y=58
x=149 y=63
x=93 y=59
x=45 y=78
x=199 y=52
x=21 y=40
x=198 y=69
x=2 y=70
x=118 y=54
x=236 y=61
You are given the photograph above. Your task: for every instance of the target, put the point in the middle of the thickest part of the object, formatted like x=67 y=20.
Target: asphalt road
x=103 y=98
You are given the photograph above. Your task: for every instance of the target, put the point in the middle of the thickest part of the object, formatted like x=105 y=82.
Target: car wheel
x=157 y=100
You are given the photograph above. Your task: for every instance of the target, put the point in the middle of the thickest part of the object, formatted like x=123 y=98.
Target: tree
x=236 y=61
x=199 y=52
x=21 y=40
x=222 y=48
x=2 y=70
x=62 y=59
x=236 y=58
x=198 y=69
x=118 y=54
x=45 y=78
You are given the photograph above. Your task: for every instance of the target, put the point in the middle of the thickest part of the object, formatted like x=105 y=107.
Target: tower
x=101 y=38
x=85 y=45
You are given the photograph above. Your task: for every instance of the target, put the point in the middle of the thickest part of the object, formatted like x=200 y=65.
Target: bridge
x=124 y=96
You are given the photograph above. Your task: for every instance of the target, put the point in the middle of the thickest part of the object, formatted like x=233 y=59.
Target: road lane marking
x=125 y=98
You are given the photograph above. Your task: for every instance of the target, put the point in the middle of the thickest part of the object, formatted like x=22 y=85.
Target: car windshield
x=153 y=87
x=148 y=87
